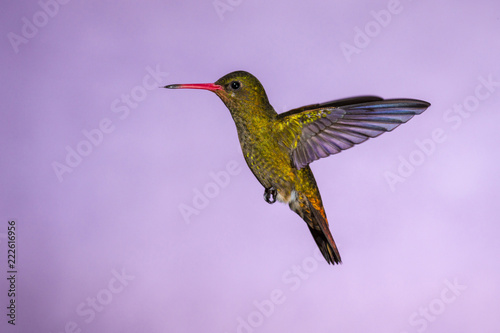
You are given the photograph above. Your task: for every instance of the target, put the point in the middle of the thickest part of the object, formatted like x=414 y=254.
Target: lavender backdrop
x=98 y=165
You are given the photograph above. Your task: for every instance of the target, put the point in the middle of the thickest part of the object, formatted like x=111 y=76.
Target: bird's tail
x=312 y=212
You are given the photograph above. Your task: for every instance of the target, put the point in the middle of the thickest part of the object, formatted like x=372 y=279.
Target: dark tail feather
x=330 y=253
x=324 y=239
x=318 y=226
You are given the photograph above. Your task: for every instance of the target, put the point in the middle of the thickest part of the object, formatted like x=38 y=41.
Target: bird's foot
x=270 y=194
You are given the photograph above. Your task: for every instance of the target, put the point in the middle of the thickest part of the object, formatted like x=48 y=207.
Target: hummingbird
x=278 y=148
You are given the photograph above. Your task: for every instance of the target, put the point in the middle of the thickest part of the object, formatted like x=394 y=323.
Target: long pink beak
x=205 y=86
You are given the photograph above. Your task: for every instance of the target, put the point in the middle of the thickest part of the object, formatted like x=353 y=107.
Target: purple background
x=118 y=210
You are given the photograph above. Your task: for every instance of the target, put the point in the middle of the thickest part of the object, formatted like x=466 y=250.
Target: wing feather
x=319 y=130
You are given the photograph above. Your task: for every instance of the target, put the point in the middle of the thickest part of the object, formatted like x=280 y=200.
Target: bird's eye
x=235 y=85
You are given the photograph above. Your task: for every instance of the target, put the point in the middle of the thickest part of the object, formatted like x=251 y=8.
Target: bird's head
x=240 y=91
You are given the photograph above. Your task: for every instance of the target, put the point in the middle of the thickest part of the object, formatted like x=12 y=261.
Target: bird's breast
x=269 y=160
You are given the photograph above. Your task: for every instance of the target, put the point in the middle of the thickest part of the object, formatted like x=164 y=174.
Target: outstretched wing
x=311 y=134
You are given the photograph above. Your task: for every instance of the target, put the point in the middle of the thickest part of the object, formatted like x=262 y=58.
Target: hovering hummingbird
x=279 y=147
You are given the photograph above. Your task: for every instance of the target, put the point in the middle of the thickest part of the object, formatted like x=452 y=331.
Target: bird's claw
x=270 y=194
